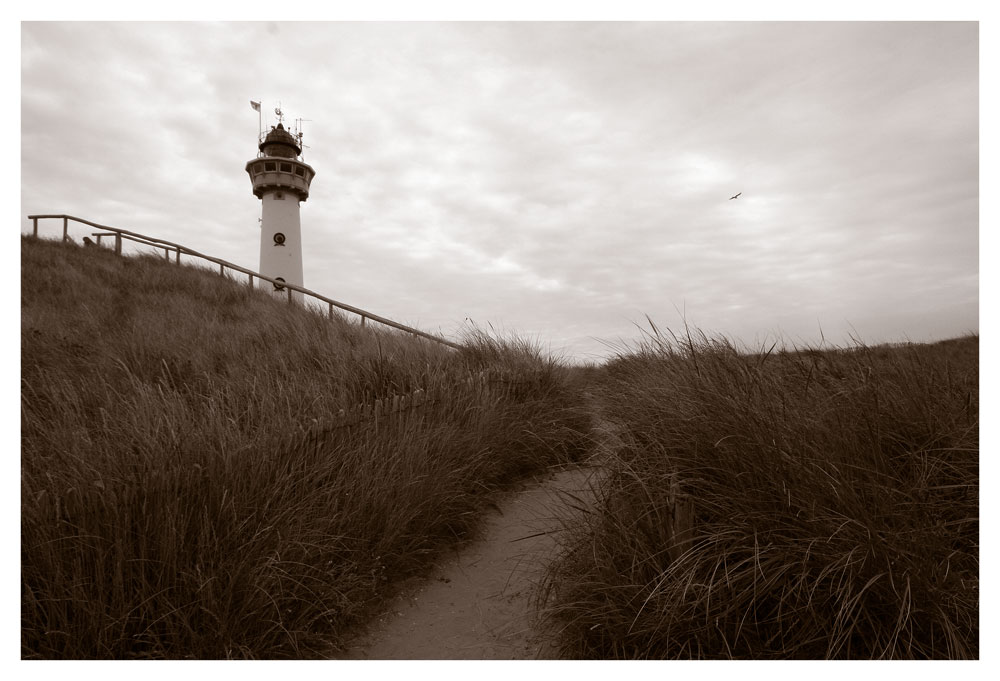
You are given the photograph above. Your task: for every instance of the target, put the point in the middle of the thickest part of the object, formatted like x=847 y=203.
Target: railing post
x=118 y=243
x=363 y=320
x=251 y=281
x=178 y=255
x=65 y=228
x=34 y=229
x=331 y=310
x=222 y=270
x=289 y=295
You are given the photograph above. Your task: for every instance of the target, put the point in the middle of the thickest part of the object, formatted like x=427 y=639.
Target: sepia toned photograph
x=356 y=341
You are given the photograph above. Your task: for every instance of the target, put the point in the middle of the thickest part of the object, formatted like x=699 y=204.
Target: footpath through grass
x=833 y=499
x=177 y=499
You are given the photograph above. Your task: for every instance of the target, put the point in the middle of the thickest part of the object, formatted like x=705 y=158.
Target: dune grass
x=177 y=499
x=834 y=499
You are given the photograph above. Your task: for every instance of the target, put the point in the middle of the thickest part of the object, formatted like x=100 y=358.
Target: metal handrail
x=170 y=245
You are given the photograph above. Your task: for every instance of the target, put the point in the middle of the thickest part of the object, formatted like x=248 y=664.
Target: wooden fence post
x=34 y=228
x=178 y=255
x=118 y=243
x=251 y=281
x=65 y=228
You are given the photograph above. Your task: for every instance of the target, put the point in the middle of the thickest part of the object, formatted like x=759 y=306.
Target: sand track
x=477 y=604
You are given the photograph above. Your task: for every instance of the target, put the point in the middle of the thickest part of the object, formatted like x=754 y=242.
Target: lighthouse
x=280 y=179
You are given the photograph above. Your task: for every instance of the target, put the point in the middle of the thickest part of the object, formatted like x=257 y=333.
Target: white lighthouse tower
x=281 y=181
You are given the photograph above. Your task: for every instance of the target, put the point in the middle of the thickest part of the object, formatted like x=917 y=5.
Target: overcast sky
x=558 y=180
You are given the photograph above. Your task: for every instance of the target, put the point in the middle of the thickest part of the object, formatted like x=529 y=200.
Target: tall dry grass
x=834 y=496
x=177 y=500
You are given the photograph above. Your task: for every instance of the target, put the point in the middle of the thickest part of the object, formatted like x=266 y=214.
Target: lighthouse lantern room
x=281 y=180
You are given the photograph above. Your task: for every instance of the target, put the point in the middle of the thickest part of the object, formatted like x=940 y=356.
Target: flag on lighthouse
x=255 y=105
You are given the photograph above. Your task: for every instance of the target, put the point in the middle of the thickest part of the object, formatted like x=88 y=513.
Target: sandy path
x=477 y=604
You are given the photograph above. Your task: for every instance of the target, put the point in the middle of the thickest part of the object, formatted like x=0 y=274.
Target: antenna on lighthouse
x=298 y=130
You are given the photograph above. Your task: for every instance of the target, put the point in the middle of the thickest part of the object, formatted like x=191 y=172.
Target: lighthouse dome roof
x=280 y=142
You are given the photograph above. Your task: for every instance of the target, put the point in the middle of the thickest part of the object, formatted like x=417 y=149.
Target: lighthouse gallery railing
x=169 y=246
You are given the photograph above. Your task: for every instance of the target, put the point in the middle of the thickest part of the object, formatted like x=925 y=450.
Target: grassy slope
x=173 y=504
x=835 y=502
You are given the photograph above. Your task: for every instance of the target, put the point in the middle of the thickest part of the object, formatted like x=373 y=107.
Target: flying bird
x=735 y=197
